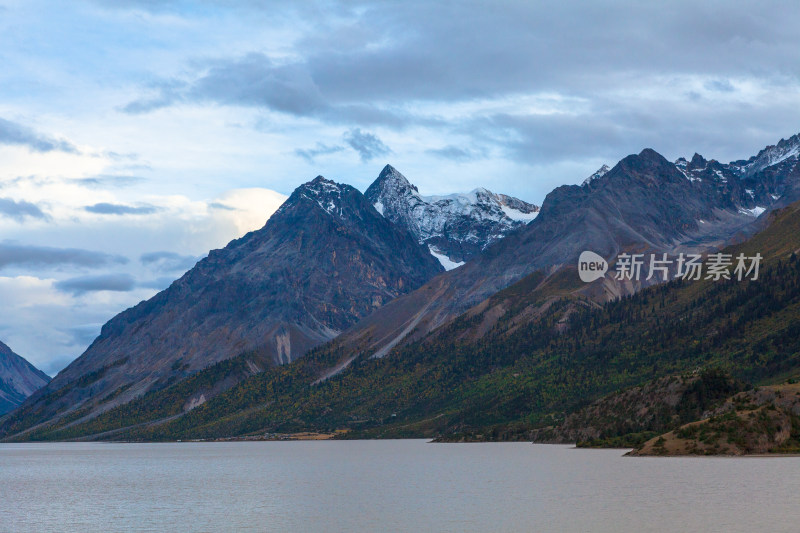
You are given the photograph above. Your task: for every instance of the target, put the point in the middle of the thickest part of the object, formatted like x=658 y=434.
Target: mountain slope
x=325 y=259
x=455 y=227
x=18 y=379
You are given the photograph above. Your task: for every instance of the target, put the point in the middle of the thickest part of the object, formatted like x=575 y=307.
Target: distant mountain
x=325 y=259
x=786 y=151
x=455 y=227
x=18 y=379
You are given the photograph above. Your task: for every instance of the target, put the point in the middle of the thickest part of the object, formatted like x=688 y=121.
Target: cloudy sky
x=137 y=135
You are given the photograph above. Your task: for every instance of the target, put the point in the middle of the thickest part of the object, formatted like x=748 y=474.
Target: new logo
x=591 y=266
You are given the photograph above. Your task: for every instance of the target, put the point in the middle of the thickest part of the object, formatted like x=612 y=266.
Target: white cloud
x=63 y=277
x=248 y=209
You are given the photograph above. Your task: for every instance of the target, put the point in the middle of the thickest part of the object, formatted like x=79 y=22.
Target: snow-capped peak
x=391 y=179
x=459 y=225
x=772 y=155
x=599 y=173
x=326 y=193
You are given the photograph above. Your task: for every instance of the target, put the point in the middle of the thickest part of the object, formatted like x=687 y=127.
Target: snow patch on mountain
x=444 y=260
x=754 y=212
x=519 y=216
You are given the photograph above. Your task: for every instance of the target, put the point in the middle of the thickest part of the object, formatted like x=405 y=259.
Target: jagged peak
x=651 y=155
x=697 y=162
x=774 y=154
x=648 y=166
x=388 y=170
x=646 y=158
x=327 y=194
x=472 y=197
x=484 y=197
x=599 y=173
x=321 y=183
x=390 y=179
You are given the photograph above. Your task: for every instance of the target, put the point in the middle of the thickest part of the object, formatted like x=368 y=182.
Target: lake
x=401 y=485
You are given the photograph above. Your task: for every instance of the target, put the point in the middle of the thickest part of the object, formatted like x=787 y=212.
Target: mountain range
x=364 y=274
x=644 y=204
x=514 y=378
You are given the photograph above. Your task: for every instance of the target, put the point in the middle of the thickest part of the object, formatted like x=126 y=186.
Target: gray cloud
x=145 y=105
x=220 y=205
x=257 y=81
x=525 y=48
x=158 y=284
x=110 y=180
x=253 y=80
x=57 y=363
x=12 y=133
x=610 y=130
x=368 y=145
x=12 y=254
x=168 y=261
x=19 y=209
x=120 y=209
x=456 y=153
x=83 y=334
x=310 y=154
x=94 y=283
x=374 y=65
x=721 y=85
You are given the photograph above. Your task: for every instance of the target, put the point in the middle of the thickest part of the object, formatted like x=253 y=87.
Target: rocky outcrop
x=765 y=420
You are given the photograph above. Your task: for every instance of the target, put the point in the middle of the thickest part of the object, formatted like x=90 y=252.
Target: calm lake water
x=387 y=486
